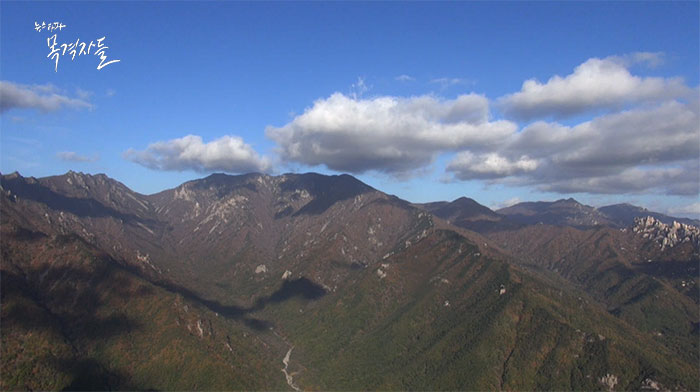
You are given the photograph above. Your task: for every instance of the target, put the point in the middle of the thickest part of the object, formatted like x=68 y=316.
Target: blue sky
x=423 y=100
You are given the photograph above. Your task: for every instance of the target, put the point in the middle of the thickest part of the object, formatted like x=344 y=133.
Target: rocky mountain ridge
x=229 y=273
x=667 y=235
x=563 y=213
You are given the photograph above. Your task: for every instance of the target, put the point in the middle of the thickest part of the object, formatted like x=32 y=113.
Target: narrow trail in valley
x=287 y=375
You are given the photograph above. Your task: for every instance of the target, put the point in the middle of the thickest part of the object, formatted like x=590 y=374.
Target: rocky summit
x=667 y=235
x=307 y=282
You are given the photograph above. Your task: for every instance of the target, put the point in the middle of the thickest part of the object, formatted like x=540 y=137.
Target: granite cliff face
x=667 y=235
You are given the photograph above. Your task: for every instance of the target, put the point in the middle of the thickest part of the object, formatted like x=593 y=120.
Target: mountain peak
x=73 y=174
x=465 y=200
x=12 y=176
x=463 y=212
x=563 y=212
x=568 y=201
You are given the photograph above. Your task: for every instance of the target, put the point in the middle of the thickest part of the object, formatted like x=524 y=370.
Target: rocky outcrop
x=666 y=235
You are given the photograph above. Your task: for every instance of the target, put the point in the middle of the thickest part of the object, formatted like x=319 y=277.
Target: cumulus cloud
x=228 y=153
x=71 y=156
x=45 y=98
x=645 y=138
x=467 y=165
x=404 y=78
x=387 y=134
x=667 y=133
x=636 y=150
x=596 y=84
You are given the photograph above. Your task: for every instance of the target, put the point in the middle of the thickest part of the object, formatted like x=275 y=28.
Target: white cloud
x=645 y=149
x=596 y=84
x=71 y=156
x=228 y=153
x=467 y=165
x=404 y=78
x=646 y=138
x=387 y=134
x=665 y=133
x=45 y=98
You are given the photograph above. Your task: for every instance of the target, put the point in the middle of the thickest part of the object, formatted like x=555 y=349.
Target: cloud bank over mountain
x=631 y=134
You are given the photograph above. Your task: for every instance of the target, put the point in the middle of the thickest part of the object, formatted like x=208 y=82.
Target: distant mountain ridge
x=464 y=212
x=625 y=215
x=567 y=212
x=471 y=215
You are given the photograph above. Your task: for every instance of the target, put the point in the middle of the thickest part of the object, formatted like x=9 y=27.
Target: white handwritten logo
x=73 y=49
x=51 y=26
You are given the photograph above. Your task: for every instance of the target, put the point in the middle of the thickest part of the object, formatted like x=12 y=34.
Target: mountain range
x=468 y=213
x=307 y=281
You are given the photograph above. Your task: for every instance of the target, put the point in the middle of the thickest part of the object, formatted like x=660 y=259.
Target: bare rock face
x=667 y=235
x=609 y=381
